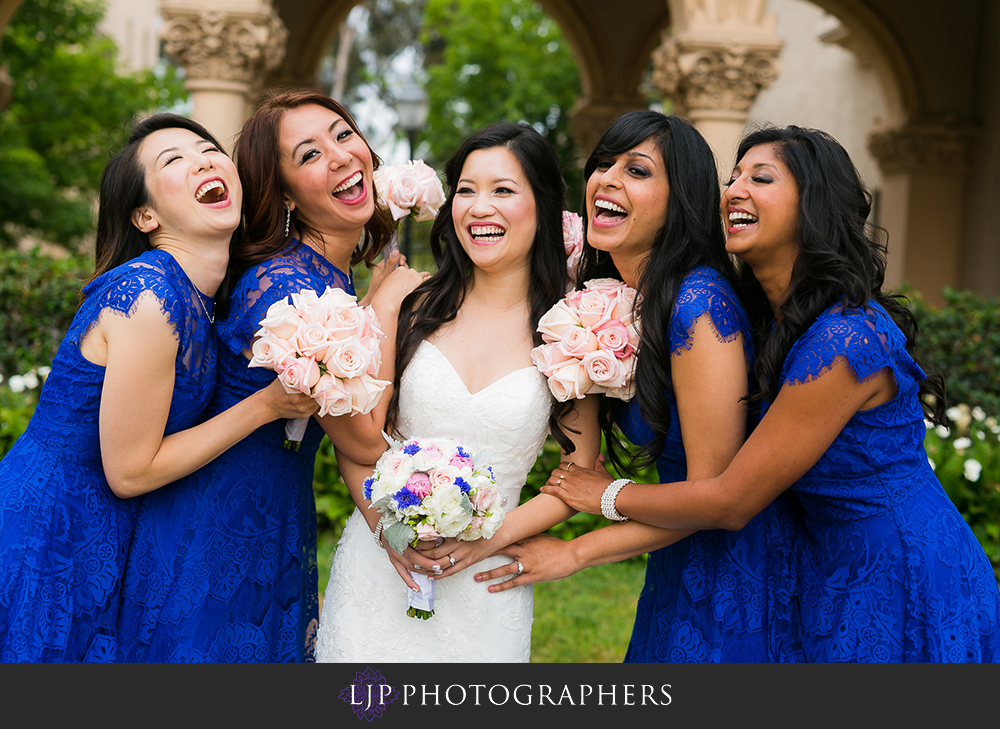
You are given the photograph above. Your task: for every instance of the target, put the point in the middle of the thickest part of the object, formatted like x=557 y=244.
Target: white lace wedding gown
x=364 y=609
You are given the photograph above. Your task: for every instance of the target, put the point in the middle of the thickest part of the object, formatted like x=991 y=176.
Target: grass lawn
x=586 y=618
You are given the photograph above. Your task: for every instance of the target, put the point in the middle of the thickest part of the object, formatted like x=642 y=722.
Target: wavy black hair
x=692 y=234
x=841 y=257
x=437 y=300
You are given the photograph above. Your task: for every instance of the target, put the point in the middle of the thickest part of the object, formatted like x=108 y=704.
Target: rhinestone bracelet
x=608 y=499
x=378 y=533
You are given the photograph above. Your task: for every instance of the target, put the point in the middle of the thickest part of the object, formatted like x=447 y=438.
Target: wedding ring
x=520 y=567
x=452 y=560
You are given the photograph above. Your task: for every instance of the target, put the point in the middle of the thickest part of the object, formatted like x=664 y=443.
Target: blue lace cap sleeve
x=863 y=337
x=705 y=290
x=120 y=289
x=298 y=267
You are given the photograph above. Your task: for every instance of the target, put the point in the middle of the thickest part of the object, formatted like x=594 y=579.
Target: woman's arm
x=139 y=353
x=709 y=382
x=797 y=430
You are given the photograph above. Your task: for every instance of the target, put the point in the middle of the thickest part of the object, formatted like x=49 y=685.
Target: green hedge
x=38 y=298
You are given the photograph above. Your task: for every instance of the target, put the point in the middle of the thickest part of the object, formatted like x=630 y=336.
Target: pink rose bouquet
x=432 y=488
x=325 y=346
x=412 y=188
x=590 y=338
x=572 y=226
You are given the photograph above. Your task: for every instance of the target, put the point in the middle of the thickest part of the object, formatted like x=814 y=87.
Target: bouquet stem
x=295 y=428
x=420 y=604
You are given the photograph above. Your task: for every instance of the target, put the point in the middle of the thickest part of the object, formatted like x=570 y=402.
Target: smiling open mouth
x=740 y=220
x=486 y=233
x=213 y=191
x=350 y=189
x=608 y=210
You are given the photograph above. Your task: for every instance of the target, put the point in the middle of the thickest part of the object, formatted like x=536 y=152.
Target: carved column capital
x=939 y=146
x=234 y=45
x=698 y=74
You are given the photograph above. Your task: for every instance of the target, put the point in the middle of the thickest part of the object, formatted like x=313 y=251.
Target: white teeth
x=354 y=180
x=204 y=189
x=491 y=233
x=608 y=205
x=738 y=216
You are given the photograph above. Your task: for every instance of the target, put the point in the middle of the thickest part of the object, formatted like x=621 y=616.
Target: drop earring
x=288 y=218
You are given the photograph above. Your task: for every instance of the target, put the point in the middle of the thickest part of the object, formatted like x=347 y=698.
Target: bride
x=464 y=370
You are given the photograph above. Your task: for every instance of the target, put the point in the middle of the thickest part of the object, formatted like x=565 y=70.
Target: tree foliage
x=491 y=60
x=69 y=106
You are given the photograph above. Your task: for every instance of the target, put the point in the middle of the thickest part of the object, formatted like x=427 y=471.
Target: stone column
x=719 y=56
x=224 y=52
x=925 y=169
x=588 y=119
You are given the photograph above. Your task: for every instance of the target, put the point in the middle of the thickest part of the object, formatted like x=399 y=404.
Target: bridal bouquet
x=590 y=337
x=572 y=226
x=429 y=489
x=412 y=188
x=325 y=346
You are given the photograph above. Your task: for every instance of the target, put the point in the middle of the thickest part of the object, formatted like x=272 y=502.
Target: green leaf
x=399 y=535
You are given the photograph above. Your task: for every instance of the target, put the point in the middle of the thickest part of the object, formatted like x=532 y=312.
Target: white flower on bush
x=954 y=414
x=972 y=469
x=962 y=443
x=17 y=384
x=942 y=431
x=979 y=414
x=30 y=379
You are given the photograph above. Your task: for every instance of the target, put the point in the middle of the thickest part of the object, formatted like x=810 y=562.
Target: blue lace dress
x=888 y=569
x=707 y=598
x=223 y=563
x=63 y=534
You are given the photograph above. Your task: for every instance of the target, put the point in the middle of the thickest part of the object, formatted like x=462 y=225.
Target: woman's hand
x=579 y=488
x=285 y=404
x=382 y=269
x=542 y=558
x=454 y=556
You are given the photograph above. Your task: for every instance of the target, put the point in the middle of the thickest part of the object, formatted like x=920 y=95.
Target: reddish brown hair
x=257 y=159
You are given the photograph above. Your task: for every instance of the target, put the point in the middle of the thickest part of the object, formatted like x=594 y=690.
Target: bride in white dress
x=464 y=356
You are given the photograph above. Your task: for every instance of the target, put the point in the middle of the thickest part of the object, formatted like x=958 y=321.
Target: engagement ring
x=452 y=560
x=520 y=567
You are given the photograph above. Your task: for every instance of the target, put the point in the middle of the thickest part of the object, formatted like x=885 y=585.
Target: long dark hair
x=258 y=156
x=841 y=256
x=692 y=234
x=437 y=300
x=123 y=189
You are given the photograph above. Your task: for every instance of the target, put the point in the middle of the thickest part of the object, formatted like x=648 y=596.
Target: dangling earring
x=288 y=218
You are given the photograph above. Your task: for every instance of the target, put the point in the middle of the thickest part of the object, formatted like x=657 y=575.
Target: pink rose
x=569 y=381
x=332 y=396
x=546 y=357
x=431 y=191
x=613 y=336
x=604 y=369
x=484 y=497
x=626 y=305
x=577 y=341
x=419 y=484
x=350 y=359
x=396 y=461
x=556 y=320
x=460 y=462
x=572 y=227
x=595 y=307
x=426 y=532
x=607 y=286
x=402 y=192
x=268 y=350
x=282 y=320
x=365 y=392
x=299 y=374
x=311 y=338
x=345 y=321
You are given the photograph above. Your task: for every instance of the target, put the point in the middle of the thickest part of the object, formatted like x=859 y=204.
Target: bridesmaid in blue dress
x=884 y=568
x=652 y=204
x=118 y=415
x=222 y=567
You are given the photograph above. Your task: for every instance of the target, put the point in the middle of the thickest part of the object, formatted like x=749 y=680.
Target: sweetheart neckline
x=459 y=377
